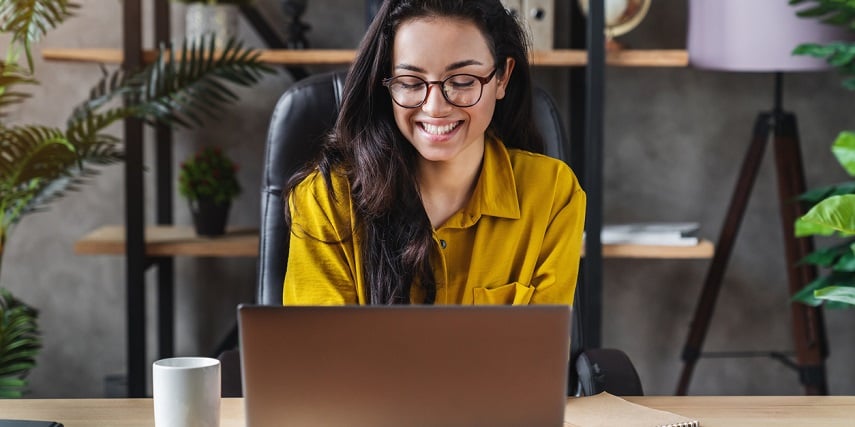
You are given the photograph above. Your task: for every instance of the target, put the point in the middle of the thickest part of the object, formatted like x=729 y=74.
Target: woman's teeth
x=438 y=130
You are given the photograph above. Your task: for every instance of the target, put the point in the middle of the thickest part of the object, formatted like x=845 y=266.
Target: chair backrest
x=303 y=115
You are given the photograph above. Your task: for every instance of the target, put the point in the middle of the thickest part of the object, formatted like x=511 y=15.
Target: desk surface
x=713 y=411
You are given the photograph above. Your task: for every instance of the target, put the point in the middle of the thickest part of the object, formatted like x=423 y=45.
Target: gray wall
x=674 y=141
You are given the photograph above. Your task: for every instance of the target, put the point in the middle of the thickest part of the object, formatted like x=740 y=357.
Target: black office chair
x=303 y=115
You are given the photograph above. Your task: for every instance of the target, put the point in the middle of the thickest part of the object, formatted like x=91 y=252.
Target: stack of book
x=651 y=233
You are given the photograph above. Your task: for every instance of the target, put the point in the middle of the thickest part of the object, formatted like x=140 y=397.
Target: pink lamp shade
x=754 y=35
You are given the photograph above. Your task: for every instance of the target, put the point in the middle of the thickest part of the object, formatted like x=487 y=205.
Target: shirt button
x=443 y=244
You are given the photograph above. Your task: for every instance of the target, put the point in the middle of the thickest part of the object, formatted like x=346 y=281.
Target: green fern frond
x=71 y=173
x=32 y=151
x=30 y=158
x=11 y=75
x=20 y=342
x=29 y=20
x=186 y=89
x=180 y=89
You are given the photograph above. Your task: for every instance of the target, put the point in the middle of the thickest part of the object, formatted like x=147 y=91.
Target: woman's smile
x=439 y=129
x=439 y=132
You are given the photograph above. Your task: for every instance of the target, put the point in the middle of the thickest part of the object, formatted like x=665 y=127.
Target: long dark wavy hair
x=380 y=164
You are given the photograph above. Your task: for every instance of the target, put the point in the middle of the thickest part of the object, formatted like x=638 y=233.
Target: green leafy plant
x=209 y=174
x=40 y=163
x=19 y=344
x=832 y=210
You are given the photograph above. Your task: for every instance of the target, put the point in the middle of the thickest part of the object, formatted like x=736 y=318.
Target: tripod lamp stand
x=759 y=36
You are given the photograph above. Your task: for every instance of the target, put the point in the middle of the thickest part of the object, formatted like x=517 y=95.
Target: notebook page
x=606 y=409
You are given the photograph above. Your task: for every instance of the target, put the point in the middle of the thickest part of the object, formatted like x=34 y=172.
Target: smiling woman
x=430 y=188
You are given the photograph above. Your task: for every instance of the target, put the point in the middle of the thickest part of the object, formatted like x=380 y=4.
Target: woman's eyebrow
x=461 y=64
x=450 y=67
x=408 y=67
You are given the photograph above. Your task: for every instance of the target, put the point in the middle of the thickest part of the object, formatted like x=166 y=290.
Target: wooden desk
x=715 y=411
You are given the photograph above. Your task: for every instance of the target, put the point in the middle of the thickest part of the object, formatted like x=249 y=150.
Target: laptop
x=404 y=365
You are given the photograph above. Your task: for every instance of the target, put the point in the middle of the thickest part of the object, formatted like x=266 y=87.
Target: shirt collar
x=496 y=191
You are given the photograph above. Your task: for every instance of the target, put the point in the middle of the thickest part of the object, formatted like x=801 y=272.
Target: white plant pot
x=204 y=20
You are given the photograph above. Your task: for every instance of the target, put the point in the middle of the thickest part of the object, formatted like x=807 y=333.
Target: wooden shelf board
x=703 y=250
x=552 y=58
x=166 y=240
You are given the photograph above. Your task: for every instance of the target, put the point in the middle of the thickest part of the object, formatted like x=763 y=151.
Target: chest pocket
x=511 y=294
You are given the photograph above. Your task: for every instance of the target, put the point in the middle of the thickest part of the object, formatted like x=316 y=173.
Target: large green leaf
x=816 y=195
x=806 y=294
x=844 y=150
x=835 y=12
x=846 y=262
x=836 y=213
x=843 y=294
x=827 y=257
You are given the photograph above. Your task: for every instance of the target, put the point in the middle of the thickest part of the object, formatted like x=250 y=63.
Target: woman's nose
x=435 y=103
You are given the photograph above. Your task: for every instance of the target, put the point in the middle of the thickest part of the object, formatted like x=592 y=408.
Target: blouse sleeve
x=558 y=262
x=321 y=265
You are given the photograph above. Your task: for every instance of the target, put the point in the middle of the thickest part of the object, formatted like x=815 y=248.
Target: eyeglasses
x=460 y=90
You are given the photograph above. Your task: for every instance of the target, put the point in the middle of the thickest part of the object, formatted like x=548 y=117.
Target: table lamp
x=759 y=36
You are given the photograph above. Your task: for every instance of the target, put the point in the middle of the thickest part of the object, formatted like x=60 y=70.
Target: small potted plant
x=208 y=180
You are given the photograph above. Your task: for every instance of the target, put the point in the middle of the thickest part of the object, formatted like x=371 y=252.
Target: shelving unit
x=144 y=246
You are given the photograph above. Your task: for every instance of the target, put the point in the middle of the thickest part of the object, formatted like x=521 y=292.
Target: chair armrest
x=607 y=370
x=231 y=384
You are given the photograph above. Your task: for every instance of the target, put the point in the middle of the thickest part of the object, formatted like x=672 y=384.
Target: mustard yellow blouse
x=517 y=241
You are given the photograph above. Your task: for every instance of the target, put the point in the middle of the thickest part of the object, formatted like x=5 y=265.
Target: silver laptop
x=404 y=366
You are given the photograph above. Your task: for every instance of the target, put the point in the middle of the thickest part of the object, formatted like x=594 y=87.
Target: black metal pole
x=134 y=212
x=592 y=266
x=165 y=265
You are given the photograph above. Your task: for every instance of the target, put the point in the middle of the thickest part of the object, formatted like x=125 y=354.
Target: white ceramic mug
x=186 y=392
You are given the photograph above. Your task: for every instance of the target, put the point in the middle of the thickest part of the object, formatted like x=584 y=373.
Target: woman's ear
x=503 y=79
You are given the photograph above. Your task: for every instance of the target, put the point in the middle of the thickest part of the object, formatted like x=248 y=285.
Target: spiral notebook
x=605 y=409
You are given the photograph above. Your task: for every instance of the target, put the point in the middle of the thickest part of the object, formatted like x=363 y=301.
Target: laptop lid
x=404 y=365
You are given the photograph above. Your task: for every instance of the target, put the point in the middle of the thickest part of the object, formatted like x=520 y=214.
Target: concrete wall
x=674 y=139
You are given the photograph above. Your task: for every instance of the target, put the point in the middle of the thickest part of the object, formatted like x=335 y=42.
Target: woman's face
x=434 y=49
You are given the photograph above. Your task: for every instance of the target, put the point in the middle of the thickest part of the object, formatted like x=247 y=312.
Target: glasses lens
x=408 y=91
x=462 y=90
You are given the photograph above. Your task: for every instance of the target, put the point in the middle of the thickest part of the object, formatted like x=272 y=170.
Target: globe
x=621 y=16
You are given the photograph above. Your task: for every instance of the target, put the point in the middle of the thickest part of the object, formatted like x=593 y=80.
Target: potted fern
x=833 y=207
x=39 y=163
